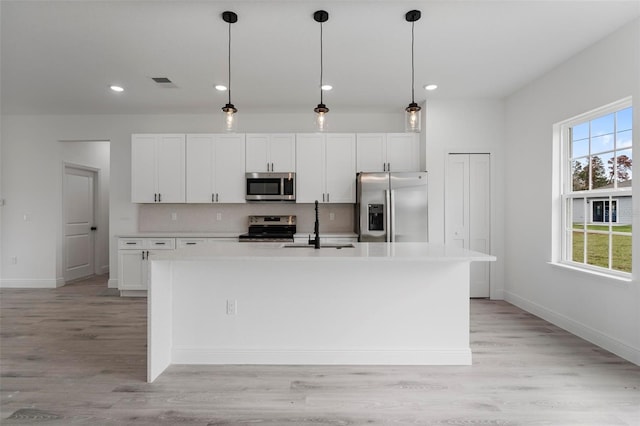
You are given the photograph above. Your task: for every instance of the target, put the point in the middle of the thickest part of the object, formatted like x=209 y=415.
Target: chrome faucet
x=316 y=230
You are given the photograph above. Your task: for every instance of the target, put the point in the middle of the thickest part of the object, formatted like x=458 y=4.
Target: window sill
x=613 y=276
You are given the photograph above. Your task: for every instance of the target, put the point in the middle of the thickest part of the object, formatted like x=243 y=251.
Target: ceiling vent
x=164 y=82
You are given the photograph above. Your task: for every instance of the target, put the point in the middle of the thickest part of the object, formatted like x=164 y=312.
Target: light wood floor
x=76 y=355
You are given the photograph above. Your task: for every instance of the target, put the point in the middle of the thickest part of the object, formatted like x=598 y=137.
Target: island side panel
x=159 y=319
x=321 y=312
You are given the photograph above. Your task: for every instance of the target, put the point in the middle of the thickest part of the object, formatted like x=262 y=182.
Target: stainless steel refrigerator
x=391 y=207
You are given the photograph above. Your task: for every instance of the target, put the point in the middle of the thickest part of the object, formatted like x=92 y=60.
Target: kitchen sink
x=329 y=245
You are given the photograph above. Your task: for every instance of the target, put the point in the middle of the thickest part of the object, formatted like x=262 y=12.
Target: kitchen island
x=263 y=303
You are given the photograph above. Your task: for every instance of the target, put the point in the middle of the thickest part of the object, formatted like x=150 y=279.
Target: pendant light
x=321 y=110
x=412 y=116
x=229 y=110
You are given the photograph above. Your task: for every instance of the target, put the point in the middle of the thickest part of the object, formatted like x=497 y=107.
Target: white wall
x=599 y=309
x=467 y=126
x=32 y=170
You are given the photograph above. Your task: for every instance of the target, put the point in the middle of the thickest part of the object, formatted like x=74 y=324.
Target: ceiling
x=59 y=57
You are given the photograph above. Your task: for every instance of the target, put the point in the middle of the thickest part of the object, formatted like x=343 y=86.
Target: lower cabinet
x=133 y=259
x=133 y=262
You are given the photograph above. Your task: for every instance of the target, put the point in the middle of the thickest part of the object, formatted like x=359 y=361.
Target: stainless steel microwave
x=271 y=186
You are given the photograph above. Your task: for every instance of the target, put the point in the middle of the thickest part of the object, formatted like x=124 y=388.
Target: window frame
x=567 y=194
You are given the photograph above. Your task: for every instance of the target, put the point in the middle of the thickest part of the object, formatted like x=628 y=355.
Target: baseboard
x=583 y=331
x=32 y=283
x=112 y=283
x=191 y=355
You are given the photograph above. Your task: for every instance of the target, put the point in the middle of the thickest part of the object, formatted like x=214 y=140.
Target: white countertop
x=361 y=251
x=180 y=235
x=224 y=235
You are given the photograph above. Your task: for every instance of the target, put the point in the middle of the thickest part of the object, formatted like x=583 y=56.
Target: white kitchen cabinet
x=133 y=265
x=388 y=152
x=215 y=168
x=157 y=168
x=325 y=167
x=270 y=152
x=192 y=242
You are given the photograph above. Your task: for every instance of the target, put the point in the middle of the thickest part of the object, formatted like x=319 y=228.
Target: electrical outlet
x=332 y=216
x=13 y=260
x=218 y=216
x=232 y=307
x=174 y=216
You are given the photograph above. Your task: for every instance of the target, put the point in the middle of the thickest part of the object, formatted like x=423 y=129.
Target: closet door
x=468 y=212
x=480 y=220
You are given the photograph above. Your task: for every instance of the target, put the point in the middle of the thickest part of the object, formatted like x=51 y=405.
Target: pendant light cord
x=229 y=62
x=321 y=63
x=412 y=65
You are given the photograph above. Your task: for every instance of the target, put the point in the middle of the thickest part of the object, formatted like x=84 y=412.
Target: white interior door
x=468 y=212
x=79 y=218
x=457 y=201
x=480 y=220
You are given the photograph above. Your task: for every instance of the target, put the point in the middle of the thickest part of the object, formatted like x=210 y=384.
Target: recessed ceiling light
x=326 y=87
x=430 y=87
x=116 y=88
x=221 y=87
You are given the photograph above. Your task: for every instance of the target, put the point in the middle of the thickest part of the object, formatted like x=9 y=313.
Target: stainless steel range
x=270 y=229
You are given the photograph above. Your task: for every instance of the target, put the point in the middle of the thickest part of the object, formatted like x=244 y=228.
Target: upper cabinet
x=270 y=152
x=215 y=168
x=388 y=152
x=157 y=168
x=325 y=167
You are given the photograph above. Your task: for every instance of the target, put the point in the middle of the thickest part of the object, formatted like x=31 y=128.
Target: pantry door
x=468 y=212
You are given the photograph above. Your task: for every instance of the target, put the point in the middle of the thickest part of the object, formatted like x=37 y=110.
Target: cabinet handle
x=323 y=197
x=384 y=167
x=212 y=199
x=217 y=197
x=159 y=244
x=328 y=197
x=191 y=244
x=159 y=197
x=271 y=166
x=155 y=198
x=388 y=167
x=142 y=254
x=268 y=167
x=130 y=243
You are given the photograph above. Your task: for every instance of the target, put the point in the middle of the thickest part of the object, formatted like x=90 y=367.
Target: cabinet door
x=257 y=154
x=200 y=169
x=132 y=273
x=143 y=169
x=340 y=161
x=171 y=168
x=309 y=168
x=282 y=152
x=371 y=152
x=229 y=161
x=403 y=152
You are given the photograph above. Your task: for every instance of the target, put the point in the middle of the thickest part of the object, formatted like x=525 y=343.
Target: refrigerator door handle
x=387 y=213
x=392 y=231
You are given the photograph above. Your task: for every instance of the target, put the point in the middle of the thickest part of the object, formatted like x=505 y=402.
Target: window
x=597 y=173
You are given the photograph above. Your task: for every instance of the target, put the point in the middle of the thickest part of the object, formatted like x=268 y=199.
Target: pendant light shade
x=230 y=120
x=321 y=110
x=412 y=112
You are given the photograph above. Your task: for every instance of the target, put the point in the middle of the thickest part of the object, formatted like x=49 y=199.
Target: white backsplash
x=334 y=218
